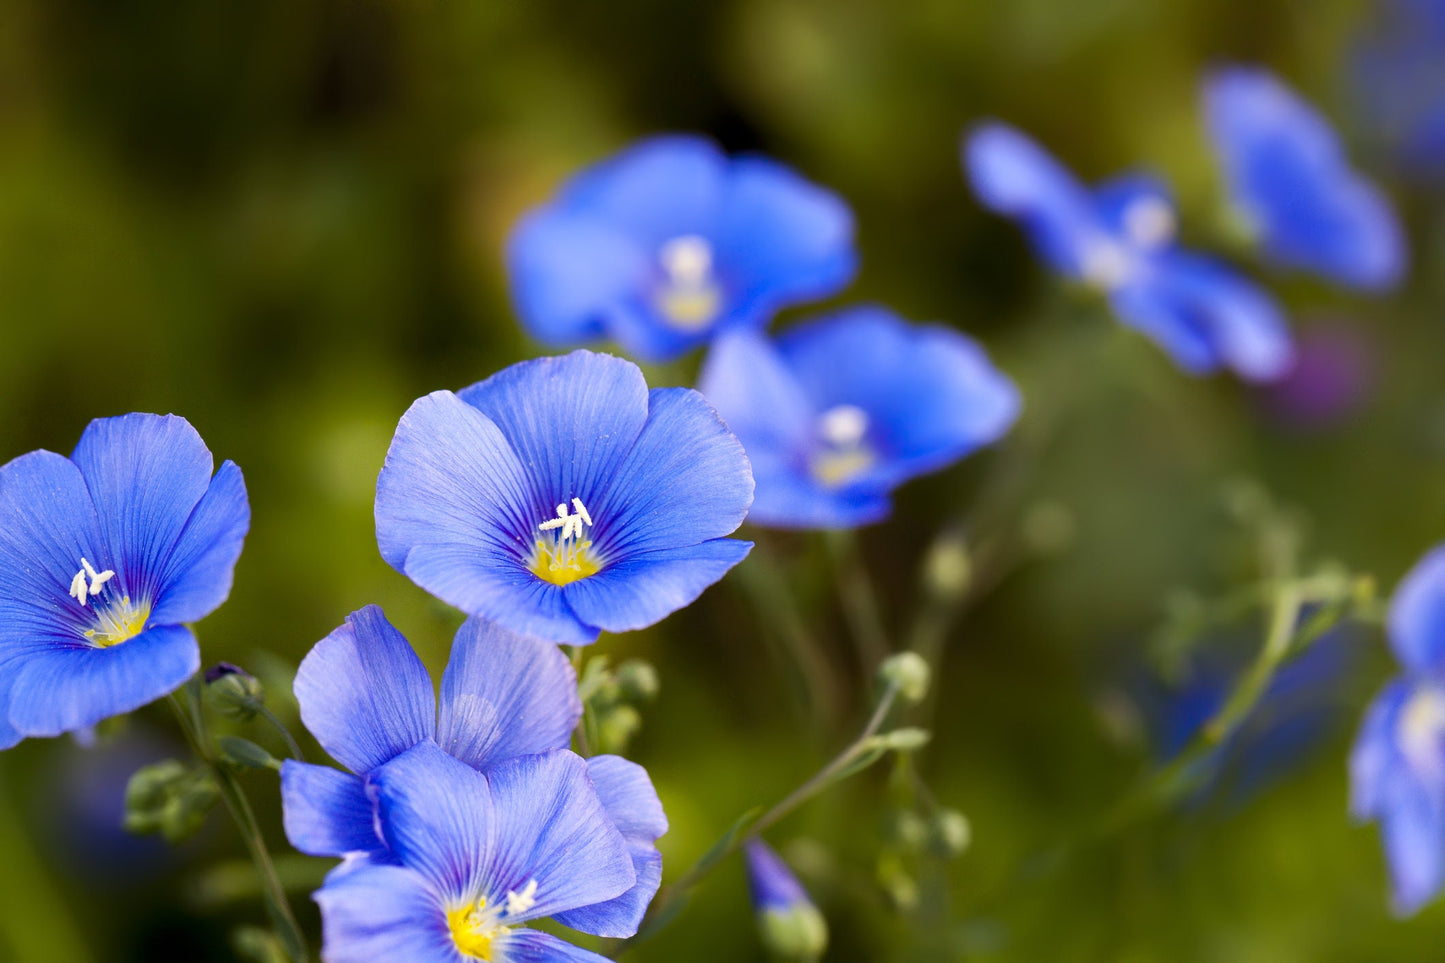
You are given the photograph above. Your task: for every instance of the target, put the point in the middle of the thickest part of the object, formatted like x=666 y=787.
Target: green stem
x=860 y=602
x=291 y=745
x=586 y=723
x=766 y=586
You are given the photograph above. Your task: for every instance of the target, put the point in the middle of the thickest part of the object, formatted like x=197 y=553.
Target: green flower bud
x=948 y=567
x=949 y=833
x=905 y=739
x=233 y=692
x=169 y=798
x=637 y=680
x=797 y=932
x=616 y=728
x=909 y=672
x=907 y=830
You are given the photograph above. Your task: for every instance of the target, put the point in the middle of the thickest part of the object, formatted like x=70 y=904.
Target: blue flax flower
x=474 y=857
x=791 y=926
x=1120 y=240
x=105 y=556
x=367 y=699
x=560 y=497
x=838 y=412
x=671 y=241
x=1293 y=186
x=1397 y=769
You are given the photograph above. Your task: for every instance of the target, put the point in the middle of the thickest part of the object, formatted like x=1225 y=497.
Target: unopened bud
x=791 y=927
x=908 y=672
x=949 y=833
x=906 y=739
x=948 y=568
x=234 y=692
x=907 y=830
x=169 y=798
x=637 y=680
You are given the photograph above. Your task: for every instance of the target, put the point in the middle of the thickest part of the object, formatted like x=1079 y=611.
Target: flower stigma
x=689 y=298
x=563 y=554
x=843 y=455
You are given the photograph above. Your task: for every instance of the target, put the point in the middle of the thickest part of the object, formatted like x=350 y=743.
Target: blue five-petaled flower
x=1397 y=769
x=459 y=825
x=105 y=557
x=560 y=497
x=1120 y=239
x=1293 y=187
x=671 y=241
x=838 y=412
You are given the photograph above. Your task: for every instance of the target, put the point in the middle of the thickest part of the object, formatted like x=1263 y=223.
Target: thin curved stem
x=860 y=602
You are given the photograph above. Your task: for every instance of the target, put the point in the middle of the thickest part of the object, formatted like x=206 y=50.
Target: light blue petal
x=505 y=695
x=685 y=480
x=1013 y=176
x=65 y=689
x=790 y=498
x=631 y=802
x=197 y=575
x=145 y=473
x=1417 y=616
x=1374 y=759
x=532 y=946
x=771 y=882
x=364 y=694
x=1412 y=827
x=568 y=271
x=552 y=829
x=326 y=812
x=659 y=189
x=643 y=334
x=438 y=817
x=644 y=589
x=372 y=914
x=757 y=396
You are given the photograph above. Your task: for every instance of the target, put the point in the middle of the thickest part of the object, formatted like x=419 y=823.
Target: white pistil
x=569 y=524
x=79 y=589
x=687 y=260
x=843 y=425
x=518 y=903
x=1149 y=222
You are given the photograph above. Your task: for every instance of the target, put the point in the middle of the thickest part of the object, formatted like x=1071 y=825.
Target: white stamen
x=687 y=260
x=569 y=524
x=97 y=579
x=843 y=425
x=1106 y=265
x=523 y=901
x=1149 y=222
x=78 y=588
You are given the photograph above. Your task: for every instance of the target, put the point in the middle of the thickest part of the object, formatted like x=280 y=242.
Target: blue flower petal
x=196 y=577
x=532 y=946
x=552 y=829
x=438 y=816
x=1417 y=616
x=1412 y=827
x=643 y=589
x=788 y=498
x=631 y=802
x=326 y=812
x=145 y=474
x=375 y=913
x=1121 y=202
x=1374 y=756
x=685 y=480
x=745 y=379
x=662 y=188
x=770 y=881
x=364 y=694
x=1013 y=176
x=65 y=689
x=505 y=695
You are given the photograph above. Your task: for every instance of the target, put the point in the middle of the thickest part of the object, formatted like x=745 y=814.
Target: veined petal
x=196 y=577
x=439 y=818
x=145 y=473
x=1417 y=616
x=645 y=588
x=364 y=694
x=380 y=913
x=62 y=689
x=505 y=695
x=661 y=188
x=686 y=480
x=326 y=811
x=551 y=829
x=534 y=946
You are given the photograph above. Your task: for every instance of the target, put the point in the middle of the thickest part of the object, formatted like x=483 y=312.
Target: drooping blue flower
x=367 y=699
x=838 y=412
x=791 y=926
x=475 y=856
x=1294 y=188
x=1397 y=768
x=105 y=557
x=560 y=497
x=1120 y=240
x=670 y=241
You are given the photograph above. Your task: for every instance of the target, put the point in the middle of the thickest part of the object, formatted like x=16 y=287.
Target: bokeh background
x=284 y=219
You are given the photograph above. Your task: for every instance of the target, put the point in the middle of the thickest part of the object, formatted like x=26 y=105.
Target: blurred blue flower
x=1120 y=240
x=791 y=926
x=474 y=857
x=104 y=558
x=560 y=497
x=1397 y=769
x=367 y=699
x=670 y=241
x=838 y=412
x=1293 y=187
x=1399 y=77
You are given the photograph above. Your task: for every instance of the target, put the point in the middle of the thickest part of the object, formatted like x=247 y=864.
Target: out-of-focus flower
x=367 y=699
x=1120 y=239
x=1293 y=187
x=791 y=926
x=670 y=241
x=1399 y=78
x=838 y=412
x=560 y=497
x=1332 y=378
x=104 y=558
x=1397 y=769
x=474 y=857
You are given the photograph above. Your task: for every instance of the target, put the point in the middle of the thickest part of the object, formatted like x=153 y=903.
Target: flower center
x=1106 y=264
x=1421 y=731
x=843 y=454
x=476 y=926
x=689 y=297
x=115 y=620
x=1149 y=223
x=563 y=553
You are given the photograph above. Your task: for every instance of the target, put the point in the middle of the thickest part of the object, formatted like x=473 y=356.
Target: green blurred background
x=284 y=219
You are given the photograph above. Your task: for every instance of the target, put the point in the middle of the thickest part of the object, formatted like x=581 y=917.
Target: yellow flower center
x=117 y=622
x=563 y=553
x=844 y=455
x=474 y=929
x=689 y=298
